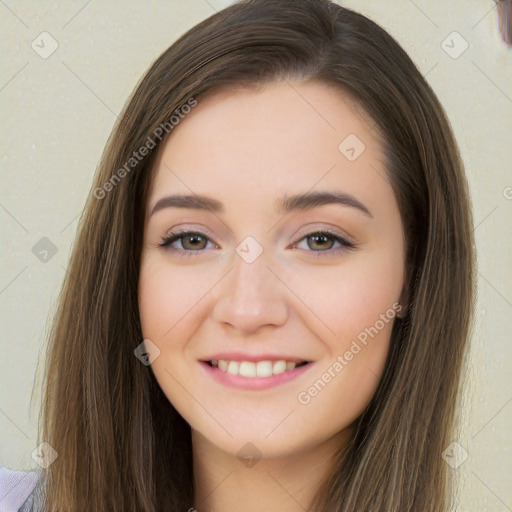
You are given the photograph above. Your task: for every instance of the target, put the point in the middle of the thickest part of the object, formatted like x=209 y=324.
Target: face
x=272 y=308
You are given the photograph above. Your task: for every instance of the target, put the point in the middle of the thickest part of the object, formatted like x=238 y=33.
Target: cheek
x=348 y=299
x=169 y=308
x=361 y=314
x=166 y=295
x=357 y=304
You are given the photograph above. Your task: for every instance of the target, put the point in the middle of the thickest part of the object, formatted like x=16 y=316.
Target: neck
x=226 y=483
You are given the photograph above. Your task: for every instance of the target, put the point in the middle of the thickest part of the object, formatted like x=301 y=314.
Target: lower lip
x=254 y=383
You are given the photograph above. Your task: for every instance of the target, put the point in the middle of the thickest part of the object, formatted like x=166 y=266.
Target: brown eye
x=190 y=242
x=324 y=242
x=193 y=242
x=319 y=242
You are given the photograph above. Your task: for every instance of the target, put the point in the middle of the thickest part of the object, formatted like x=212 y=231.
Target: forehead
x=250 y=146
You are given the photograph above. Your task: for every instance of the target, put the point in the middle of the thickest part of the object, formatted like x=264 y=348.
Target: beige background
x=58 y=111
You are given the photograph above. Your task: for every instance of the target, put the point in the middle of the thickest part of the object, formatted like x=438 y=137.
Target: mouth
x=256 y=375
x=255 y=369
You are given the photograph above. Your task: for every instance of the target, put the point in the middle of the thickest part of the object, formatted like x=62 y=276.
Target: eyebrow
x=284 y=205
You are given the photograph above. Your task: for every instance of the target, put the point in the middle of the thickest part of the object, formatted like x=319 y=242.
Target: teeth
x=233 y=367
x=264 y=368
x=251 y=369
x=247 y=369
x=279 y=367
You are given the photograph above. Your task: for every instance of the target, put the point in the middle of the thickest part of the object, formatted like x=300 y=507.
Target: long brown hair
x=121 y=445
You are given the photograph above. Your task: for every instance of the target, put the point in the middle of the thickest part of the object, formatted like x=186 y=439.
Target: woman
x=269 y=297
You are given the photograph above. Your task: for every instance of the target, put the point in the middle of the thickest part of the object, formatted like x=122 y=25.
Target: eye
x=191 y=242
x=194 y=242
x=323 y=242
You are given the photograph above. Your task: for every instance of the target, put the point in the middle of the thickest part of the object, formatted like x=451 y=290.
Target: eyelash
x=172 y=237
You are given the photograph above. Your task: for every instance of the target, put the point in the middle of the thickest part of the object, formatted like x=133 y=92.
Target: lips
x=241 y=373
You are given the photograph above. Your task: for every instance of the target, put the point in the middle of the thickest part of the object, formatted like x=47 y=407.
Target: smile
x=251 y=369
x=254 y=375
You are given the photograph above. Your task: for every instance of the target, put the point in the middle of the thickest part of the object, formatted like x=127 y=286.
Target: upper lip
x=239 y=356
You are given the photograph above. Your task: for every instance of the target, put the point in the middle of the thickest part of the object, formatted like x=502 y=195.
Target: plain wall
x=58 y=111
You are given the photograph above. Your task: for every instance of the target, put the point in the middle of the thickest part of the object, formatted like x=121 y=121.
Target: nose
x=250 y=297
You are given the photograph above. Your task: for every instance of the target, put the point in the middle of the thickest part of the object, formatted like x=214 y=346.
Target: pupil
x=320 y=239
x=194 y=240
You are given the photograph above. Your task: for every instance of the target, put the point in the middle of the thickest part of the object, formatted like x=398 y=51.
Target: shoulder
x=17 y=490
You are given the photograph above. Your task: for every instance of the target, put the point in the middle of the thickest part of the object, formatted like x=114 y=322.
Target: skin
x=247 y=148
